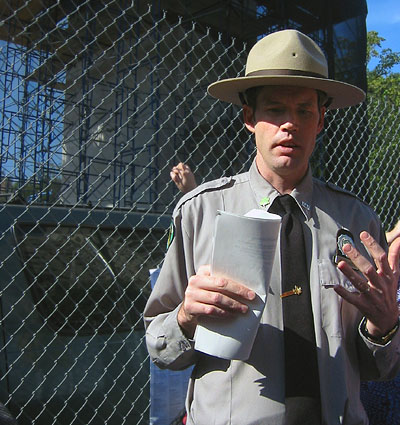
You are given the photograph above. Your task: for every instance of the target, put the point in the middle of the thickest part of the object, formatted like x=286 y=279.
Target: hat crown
x=287 y=50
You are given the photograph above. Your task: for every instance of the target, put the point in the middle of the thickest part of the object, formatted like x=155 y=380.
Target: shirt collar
x=265 y=193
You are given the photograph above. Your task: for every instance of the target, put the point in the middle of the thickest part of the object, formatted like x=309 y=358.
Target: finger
x=199 y=301
x=357 y=280
x=394 y=256
x=363 y=265
x=377 y=253
x=180 y=166
x=351 y=297
x=222 y=285
x=174 y=172
x=233 y=288
x=361 y=302
x=195 y=310
x=387 y=269
x=202 y=297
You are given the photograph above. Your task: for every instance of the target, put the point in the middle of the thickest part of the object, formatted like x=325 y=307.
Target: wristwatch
x=381 y=340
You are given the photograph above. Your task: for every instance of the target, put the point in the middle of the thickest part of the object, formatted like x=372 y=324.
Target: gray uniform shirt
x=234 y=392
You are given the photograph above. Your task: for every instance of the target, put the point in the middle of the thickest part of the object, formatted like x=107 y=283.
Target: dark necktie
x=301 y=367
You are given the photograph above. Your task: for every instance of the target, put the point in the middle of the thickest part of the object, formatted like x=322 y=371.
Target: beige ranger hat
x=287 y=58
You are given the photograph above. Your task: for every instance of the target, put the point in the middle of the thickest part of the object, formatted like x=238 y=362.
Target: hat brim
x=342 y=94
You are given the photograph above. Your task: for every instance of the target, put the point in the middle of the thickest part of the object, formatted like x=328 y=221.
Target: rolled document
x=244 y=249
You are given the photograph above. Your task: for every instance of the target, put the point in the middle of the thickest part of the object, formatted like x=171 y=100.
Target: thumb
x=394 y=255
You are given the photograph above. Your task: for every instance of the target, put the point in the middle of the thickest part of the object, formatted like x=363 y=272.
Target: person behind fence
x=312 y=346
x=392 y=234
x=183 y=177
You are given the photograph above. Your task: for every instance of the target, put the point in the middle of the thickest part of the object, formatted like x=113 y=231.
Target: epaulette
x=205 y=187
x=336 y=188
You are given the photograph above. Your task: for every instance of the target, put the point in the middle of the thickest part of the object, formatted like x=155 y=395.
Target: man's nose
x=290 y=122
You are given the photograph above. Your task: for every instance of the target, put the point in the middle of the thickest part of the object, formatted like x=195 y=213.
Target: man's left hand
x=377 y=286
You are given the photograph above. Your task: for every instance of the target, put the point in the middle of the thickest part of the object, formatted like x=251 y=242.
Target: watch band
x=381 y=340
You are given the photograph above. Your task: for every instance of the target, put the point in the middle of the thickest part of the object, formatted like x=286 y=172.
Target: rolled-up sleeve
x=167 y=344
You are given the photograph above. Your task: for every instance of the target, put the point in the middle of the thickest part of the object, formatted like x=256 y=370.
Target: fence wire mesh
x=99 y=99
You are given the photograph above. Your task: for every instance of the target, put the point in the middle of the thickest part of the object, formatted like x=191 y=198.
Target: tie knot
x=284 y=204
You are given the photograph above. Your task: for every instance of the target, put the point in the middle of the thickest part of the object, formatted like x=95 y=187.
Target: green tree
x=382 y=81
x=384 y=129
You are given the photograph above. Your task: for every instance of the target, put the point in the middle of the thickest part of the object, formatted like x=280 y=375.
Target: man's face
x=285 y=123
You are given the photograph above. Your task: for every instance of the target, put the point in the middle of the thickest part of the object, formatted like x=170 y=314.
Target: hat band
x=279 y=72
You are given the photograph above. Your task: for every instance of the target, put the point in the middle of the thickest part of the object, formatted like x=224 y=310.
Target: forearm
x=378 y=362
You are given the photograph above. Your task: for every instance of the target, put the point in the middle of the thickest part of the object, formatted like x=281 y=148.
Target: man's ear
x=248 y=117
x=321 y=119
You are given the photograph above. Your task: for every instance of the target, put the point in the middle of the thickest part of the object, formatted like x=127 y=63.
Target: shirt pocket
x=331 y=303
x=330 y=276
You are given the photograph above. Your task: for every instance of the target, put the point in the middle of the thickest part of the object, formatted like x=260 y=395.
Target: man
x=354 y=334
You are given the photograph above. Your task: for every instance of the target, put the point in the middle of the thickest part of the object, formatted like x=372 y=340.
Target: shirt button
x=161 y=343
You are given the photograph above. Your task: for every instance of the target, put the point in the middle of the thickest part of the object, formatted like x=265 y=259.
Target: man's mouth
x=286 y=146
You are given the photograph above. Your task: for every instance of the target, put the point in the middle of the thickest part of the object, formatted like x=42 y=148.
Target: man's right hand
x=211 y=296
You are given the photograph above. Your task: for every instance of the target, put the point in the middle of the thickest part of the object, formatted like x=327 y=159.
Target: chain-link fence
x=99 y=99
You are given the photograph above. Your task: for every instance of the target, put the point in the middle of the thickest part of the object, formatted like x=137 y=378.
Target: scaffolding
x=92 y=108
x=99 y=98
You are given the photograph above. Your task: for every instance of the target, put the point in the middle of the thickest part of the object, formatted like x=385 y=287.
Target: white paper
x=244 y=250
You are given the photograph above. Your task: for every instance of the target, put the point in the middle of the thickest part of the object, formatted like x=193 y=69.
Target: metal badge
x=343 y=237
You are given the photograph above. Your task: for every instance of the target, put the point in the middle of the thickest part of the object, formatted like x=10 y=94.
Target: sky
x=384 y=17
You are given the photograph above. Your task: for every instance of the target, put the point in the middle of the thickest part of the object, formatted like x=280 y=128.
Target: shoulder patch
x=171 y=234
